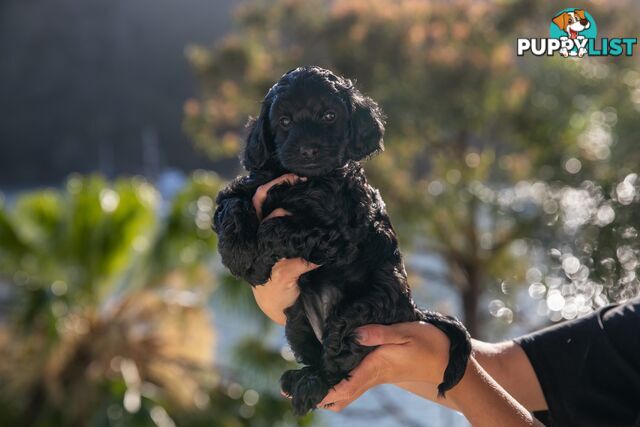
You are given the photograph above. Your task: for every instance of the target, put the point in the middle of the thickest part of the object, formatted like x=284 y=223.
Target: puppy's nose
x=584 y=22
x=308 y=152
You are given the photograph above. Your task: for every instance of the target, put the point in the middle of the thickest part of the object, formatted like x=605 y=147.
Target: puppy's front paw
x=260 y=270
x=258 y=274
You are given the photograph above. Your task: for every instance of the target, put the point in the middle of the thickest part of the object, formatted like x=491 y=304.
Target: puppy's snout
x=308 y=152
x=584 y=22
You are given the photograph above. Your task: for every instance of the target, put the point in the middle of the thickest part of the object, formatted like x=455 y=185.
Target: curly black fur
x=318 y=125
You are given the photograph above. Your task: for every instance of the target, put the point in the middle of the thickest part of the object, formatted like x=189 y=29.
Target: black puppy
x=318 y=125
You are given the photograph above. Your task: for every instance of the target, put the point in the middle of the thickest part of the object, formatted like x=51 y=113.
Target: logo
x=573 y=28
x=572 y=33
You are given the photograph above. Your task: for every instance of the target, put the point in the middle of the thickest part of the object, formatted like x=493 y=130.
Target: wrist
x=458 y=393
x=437 y=346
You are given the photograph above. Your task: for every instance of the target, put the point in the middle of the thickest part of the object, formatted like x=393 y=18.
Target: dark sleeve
x=589 y=368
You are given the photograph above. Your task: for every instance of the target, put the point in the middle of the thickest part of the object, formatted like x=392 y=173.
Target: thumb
x=302 y=266
x=371 y=335
x=278 y=212
x=295 y=267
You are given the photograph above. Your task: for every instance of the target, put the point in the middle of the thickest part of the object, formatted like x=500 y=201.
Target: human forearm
x=479 y=397
x=507 y=364
x=485 y=403
x=427 y=391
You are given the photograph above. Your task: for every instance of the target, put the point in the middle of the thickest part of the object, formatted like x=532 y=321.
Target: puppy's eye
x=285 y=121
x=329 y=116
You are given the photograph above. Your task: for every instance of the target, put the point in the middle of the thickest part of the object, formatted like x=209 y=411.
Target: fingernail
x=361 y=335
x=303 y=178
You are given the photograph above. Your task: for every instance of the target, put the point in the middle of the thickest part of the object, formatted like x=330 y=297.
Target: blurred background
x=512 y=182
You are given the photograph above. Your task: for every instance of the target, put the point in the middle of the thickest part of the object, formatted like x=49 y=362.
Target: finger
x=287 y=271
x=299 y=266
x=346 y=391
x=341 y=396
x=294 y=267
x=261 y=192
x=283 y=394
x=370 y=335
x=338 y=406
x=277 y=213
x=291 y=178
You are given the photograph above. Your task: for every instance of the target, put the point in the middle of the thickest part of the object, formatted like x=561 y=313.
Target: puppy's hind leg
x=459 y=350
x=342 y=353
x=306 y=387
x=302 y=385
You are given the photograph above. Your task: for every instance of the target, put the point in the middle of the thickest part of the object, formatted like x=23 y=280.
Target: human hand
x=261 y=194
x=408 y=352
x=281 y=290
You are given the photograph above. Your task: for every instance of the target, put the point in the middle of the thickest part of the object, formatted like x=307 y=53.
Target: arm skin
x=482 y=400
x=485 y=403
x=414 y=355
x=507 y=364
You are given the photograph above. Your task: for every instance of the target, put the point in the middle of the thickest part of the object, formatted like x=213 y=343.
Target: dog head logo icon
x=573 y=27
x=572 y=22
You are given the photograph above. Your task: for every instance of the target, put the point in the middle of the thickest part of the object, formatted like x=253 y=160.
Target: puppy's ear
x=366 y=127
x=257 y=148
x=561 y=20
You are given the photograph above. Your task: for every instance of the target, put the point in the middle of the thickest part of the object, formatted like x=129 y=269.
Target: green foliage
x=108 y=287
x=188 y=233
x=79 y=240
x=471 y=127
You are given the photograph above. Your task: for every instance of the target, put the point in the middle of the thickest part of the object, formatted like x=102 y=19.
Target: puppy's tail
x=459 y=350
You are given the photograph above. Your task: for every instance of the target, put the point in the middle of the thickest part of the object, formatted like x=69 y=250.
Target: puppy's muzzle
x=308 y=152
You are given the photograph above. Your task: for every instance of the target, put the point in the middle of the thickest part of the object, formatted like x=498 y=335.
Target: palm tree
x=108 y=289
